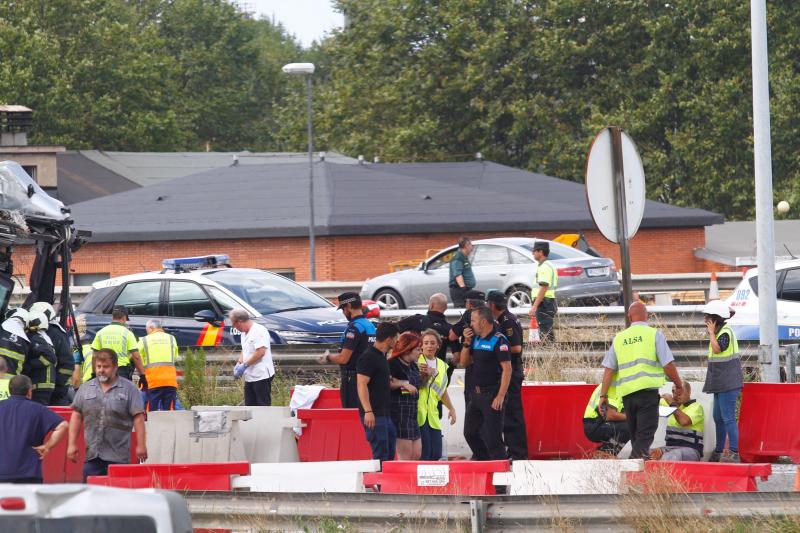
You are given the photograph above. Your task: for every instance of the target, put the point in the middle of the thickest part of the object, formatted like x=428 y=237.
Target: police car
x=192 y=297
x=744 y=301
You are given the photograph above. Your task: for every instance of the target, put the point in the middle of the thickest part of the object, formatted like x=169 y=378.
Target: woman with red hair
x=404 y=383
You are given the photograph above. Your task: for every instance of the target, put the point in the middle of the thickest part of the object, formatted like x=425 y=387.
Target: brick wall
x=359 y=257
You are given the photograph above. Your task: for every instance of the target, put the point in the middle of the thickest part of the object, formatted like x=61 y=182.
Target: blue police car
x=192 y=297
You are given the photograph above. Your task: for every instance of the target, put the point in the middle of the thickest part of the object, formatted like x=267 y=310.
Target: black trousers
x=641 y=408
x=348 y=389
x=546 y=316
x=126 y=372
x=258 y=393
x=457 y=297
x=483 y=427
x=612 y=435
x=514 y=432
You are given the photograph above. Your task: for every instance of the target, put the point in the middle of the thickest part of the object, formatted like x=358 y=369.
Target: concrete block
x=318 y=477
x=585 y=476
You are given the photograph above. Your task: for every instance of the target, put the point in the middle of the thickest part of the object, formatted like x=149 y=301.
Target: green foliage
x=200 y=385
x=529 y=83
x=154 y=75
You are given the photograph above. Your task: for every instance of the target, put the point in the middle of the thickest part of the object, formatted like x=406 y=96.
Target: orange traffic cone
x=713 y=289
x=533 y=332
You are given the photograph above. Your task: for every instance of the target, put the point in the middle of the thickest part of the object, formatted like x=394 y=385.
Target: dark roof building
x=272 y=201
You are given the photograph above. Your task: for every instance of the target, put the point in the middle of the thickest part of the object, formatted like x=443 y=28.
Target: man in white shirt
x=256 y=357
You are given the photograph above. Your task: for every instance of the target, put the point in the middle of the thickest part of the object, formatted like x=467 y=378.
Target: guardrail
x=382 y=512
x=644 y=283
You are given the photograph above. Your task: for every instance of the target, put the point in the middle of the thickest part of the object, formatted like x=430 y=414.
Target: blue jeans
x=382 y=438
x=431 y=443
x=96 y=467
x=725 y=420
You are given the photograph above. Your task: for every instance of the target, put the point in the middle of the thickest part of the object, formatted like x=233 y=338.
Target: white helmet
x=44 y=307
x=717 y=307
x=20 y=313
x=37 y=321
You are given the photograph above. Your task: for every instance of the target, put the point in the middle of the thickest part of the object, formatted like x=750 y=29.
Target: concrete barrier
x=318 y=477
x=550 y=478
x=265 y=434
x=194 y=437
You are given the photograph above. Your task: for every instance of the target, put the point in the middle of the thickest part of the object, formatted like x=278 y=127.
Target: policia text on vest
x=636 y=366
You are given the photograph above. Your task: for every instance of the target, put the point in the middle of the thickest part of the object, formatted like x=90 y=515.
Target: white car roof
x=194 y=275
x=779 y=265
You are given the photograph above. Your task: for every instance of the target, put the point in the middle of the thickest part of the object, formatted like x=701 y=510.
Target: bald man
x=636 y=365
x=435 y=320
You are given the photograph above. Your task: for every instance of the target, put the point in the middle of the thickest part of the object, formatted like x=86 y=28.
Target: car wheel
x=389 y=300
x=519 y=296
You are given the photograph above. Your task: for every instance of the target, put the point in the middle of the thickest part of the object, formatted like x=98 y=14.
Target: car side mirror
x=207 y=315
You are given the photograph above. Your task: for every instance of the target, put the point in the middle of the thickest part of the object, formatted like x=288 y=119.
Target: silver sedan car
x=505 y=264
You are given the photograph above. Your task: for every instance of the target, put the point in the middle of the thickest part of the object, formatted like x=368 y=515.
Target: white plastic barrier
x=454 y=444
x=267 y=435
x=189 y=437
x=585 y=476
x=326 y=476
x=709 y=428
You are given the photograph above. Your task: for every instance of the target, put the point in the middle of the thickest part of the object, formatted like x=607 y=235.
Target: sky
x=306 y=19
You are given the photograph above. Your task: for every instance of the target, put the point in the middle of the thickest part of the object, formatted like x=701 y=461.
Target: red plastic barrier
x=769 y=416
x=332 y=435
x=472 y=478
x=554 y=420
x=56 y=468
x=688 y=476
x=327 y=399
x=197 y=476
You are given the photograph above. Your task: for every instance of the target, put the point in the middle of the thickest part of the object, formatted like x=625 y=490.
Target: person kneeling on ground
x=684 y=428
x=610 y=429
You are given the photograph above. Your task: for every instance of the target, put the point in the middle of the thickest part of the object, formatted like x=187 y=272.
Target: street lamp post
x=307 y=69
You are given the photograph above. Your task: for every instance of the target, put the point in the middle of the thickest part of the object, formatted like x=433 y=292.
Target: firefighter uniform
x=40 y=365
x=14 y=342
x=159 y=351
x=65 y=363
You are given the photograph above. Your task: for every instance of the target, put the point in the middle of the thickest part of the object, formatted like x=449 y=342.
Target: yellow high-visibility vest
x=159 y=351
x=431 y=394
x=638 y=367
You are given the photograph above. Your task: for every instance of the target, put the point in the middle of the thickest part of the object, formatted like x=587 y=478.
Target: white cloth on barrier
x=303 y=397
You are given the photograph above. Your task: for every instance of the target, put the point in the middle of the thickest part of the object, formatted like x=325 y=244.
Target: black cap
x=544 y=246
x=474 y=294
x=120 y=309
x=496 y=297
x=349 y=298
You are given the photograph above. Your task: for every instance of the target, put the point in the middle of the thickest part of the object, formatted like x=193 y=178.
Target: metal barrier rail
x=646 y=283
x=384 y=512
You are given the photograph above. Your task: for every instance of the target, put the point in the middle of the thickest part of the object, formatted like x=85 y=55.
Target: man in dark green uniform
x=462 y=278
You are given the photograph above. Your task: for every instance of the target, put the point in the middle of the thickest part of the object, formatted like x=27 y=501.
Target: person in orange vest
x=159 y=351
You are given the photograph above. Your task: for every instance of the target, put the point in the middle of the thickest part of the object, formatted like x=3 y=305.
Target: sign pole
x=622 y=218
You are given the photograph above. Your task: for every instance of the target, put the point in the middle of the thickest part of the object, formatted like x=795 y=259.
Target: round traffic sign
x=600 y=186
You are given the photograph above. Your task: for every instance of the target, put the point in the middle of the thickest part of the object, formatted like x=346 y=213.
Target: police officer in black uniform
x=434 y=319
x=359 y=335
x=474 y=300
x=514 y=432
x=489 y=353
x=14 y=342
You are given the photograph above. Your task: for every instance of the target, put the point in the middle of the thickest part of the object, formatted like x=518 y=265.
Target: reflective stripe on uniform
x=431 y=395
x=638 y=367
x=730 y=353
x=159 y=350
x=12 y=354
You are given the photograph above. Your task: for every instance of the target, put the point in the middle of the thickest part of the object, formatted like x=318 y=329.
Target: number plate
x=597 y=272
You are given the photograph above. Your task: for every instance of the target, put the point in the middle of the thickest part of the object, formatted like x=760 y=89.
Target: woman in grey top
x=723 y=379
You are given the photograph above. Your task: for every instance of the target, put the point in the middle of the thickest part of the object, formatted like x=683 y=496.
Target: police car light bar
x=193 y=263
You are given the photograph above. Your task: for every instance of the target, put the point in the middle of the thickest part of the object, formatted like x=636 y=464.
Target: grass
x=202 y=385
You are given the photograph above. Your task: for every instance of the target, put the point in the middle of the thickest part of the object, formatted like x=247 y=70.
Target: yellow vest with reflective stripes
x=159 y=350
x=118 y=338
x=431 y=394
x=4 y=387
x=692 y=435
x=638 y=367
x=545 y=273
x=731 y=352
x=613 y=400
x=86 y=367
